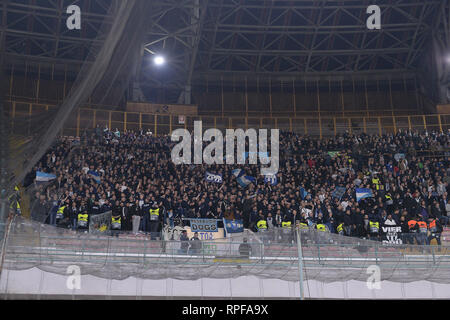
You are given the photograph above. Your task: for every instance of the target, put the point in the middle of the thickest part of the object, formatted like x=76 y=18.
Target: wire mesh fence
x=273 y=255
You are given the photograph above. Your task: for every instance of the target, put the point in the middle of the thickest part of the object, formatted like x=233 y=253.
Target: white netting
x=100 y=224
x=326 y=257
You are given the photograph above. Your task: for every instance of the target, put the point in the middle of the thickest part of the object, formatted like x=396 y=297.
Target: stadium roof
x=217 y=38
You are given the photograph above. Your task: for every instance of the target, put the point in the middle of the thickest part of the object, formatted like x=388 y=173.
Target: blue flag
x=272 y=179
x=338 y=192
x=238 y=172
x=244 y=181
x=42 y=177
x=233 y=226
x=303 y=193
x=94 y=175
x=212 y=177
x=363 y=193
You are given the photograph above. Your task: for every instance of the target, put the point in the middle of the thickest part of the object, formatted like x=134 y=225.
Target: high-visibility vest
x=286 y=224
x=116 y=223
x=411 y=225
x=432 y=226
x=60 y=212
x=83 y=220
x=154 y=214
x=422 y=226
x=321 y=227
x=376 y=182
x=303 y=225
x=261 y=225
x=374 y=227
x=340 y=228
x=11 y=206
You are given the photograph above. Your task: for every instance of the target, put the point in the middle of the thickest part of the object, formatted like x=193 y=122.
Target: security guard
x=340 y=229
x=63 y=217
x=154 y=219
x=60 y=213
x=82 y=221
x=14 y=202
x=374 y=230
x=321 y=235
x=116 y=225
x=422 y=236
x=261 y=225
x=435 y=228
x=413 y=230
x=322 y=228
x=286 y=225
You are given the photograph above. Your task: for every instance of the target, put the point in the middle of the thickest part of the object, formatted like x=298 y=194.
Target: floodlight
x=159 y=60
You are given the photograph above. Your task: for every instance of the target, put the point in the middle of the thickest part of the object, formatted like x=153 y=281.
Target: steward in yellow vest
x=154 y=214
x=261 y=225
x=286 y=224
x=116 y=223
x=322 y=227
x=60 y=213
x=374 y=227
x=82 y=220
x=340 y=229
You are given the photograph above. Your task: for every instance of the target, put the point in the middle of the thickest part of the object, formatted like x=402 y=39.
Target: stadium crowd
x=408 y=174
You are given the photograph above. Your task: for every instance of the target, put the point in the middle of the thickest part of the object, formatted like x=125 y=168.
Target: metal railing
x=314 y=124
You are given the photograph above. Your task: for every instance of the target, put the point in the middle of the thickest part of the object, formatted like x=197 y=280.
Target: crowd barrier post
x=318 y=251
x=300 y=263
x=432 y=253
x=376 y=253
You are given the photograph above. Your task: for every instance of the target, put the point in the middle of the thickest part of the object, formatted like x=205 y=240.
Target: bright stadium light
x=159 y=60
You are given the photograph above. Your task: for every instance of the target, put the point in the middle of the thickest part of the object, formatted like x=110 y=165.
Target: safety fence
x=326 y=257
x=310 y=123
x=38 y=259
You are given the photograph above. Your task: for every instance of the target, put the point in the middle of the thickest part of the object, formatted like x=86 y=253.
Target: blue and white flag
x=233 y=226
x=244 y=181
x=238 y=172
x=303 y=193
x=94 y=175
x=42 y=177
x=212 y=177
x=272 y=179
x=363 y=193
x=338 y=192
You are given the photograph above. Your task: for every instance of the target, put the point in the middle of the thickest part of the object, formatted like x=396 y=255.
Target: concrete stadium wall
x=36 y=283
